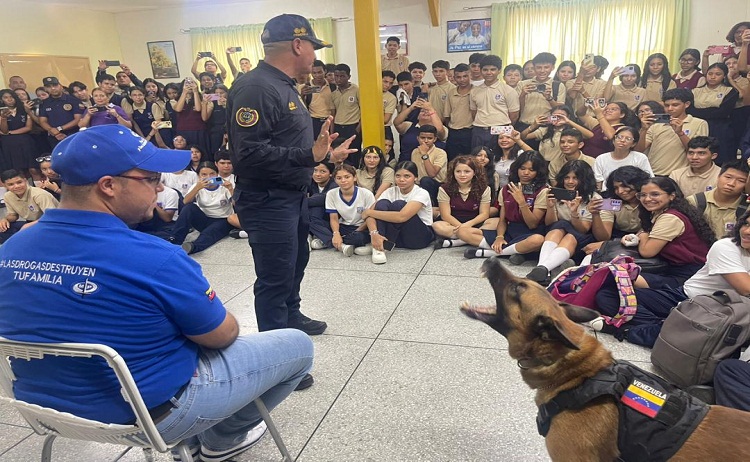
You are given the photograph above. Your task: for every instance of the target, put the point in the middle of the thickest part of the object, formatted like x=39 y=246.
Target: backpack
x=699 y=333
x=612 y=248
x=701 y=204
x=579 y=285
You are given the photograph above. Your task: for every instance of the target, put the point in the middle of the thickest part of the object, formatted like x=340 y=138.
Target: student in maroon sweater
x=464 y=201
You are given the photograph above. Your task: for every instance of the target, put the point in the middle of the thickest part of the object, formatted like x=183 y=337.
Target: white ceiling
x=120 y=6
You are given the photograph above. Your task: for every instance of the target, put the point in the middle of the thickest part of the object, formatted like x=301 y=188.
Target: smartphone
x=112 y=63
x=628 y=70
x=215 y=181
x=501 y=130
x=389 y=245
x=100 y=108
x=662 y=118
x=151 y=93
x=204 y=54
x=315 y=89
x=214 y=97
x=541 y=88
x=613 y=205
x=564 y=194
x=718 y=49
x=588 y=60
x=589 y=102
x=164 y=124
x=602 y=102
x=552 y=118
x=237 y=48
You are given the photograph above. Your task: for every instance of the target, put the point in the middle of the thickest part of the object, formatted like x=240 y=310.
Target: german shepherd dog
x=555 y=354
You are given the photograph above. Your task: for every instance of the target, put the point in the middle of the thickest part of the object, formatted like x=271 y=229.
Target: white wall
x=76 y=31
x=57 y=30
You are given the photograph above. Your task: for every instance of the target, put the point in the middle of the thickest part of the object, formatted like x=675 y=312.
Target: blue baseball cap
x=287 y=27
x=86 y=156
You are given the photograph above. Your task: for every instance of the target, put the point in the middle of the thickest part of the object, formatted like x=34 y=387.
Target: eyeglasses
x=624 y=138
x=645 y=111
x=152 y=180
x=651 y=195
x=44 y=159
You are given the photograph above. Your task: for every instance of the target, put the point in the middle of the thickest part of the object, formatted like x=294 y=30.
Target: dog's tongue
x=480 y=312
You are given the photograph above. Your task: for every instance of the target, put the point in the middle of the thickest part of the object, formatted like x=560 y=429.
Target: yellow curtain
x=621 y=31
x=247 y=36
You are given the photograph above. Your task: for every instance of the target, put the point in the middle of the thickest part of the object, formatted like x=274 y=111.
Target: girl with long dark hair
x=374 y=173
x=656 y=79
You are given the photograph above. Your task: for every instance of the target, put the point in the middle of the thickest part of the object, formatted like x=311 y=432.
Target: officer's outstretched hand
x=323 y=144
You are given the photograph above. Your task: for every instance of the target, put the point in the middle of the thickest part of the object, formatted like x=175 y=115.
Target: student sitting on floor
x=431 y=162
x=464 y=201
x=701 y=173
x=374 y=174
x=721 y=205
x=321 y=183
x=519 y=229
x=165 y=215
x=625 y=140
x=548 y=128
x=623 y=184
x=402 y=216
x=483 y=158
x=207 y=207
x=726 y=267
x=568 y=221
x=571 y=142
x=24 y=204
x=344 y=206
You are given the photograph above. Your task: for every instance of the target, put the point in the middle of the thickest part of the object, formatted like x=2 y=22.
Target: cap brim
x=165 y=160
x=318 y=44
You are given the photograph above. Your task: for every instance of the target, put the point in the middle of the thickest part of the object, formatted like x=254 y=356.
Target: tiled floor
x=400 y=374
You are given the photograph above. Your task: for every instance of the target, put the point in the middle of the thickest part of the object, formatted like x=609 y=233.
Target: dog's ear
x=579 y=314
x=551 y=331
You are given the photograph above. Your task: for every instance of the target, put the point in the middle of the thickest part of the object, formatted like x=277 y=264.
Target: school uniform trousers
x=411 y=234
x=212 y=230
x=732 y=384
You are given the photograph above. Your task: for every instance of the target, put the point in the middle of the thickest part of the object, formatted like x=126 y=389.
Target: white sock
x=486 y=253
x=546 y=250
x=453 y=243
x=586 y=260
x=243 y=234
x=484 y=244
x=510 y=250
x=556 y=258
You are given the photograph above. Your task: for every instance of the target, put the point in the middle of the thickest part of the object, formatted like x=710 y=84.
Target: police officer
x=273 y=154
x=59 y=114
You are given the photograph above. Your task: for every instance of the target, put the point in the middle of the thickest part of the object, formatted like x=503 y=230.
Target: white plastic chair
x=52 y=423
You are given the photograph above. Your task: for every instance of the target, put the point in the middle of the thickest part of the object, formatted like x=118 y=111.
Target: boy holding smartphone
x=571 y=142
x=666 y=144
x=540 y=94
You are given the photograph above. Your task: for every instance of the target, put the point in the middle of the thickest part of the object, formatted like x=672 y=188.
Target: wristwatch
x=425 y=157
x=59 y=129
x=327 y=158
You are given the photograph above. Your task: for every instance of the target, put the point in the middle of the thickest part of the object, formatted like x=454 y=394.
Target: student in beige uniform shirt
x=656 y=77
x=346 y=113
x=585 y=85
x=317 y=96
x=439 y=92
x=392 y=60
x=701 y=173
x=537 y=95
x=721 y=203
x=457 y=114
x=666 y=144
x=374 y=174
x=431 y=161
x=493 y=103
x=24 y=204
x=628 y=91
x=389 y=102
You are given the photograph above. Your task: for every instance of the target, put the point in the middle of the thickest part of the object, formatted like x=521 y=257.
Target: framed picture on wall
x=469 y=35
x=397 y=30
x=163 y=60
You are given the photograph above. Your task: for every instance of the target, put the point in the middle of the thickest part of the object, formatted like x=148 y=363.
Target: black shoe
x=306 y=382
x=235 y=233
x=704 y=393
x=307 y=325
x=539 y=274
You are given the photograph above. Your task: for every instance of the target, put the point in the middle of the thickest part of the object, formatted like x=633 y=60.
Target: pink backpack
x=579 y=285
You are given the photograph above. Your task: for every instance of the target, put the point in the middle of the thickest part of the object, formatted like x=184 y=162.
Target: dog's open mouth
x=478 y=311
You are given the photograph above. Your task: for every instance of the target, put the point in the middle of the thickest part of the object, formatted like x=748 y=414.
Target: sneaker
x=317 y=244
x=188 y=247
x=307 y=325
x=347 y=250
x=364 y=250
x=517 y=259
x=539 y=274
x=235 y=233
x=569 y=263
x=597 y=324
x=378 y=257
x=309 y=242
x=193 y=452
x=306 y=382
x=253 y=436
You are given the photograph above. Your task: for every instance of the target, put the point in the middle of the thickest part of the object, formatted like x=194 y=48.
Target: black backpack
x=701 y=204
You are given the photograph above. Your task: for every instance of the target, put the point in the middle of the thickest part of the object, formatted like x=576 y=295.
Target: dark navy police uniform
x=270 y=132
x=60 y=111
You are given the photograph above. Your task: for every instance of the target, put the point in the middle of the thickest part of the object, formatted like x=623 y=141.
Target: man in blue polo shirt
x=59 y=114
x=81 y=275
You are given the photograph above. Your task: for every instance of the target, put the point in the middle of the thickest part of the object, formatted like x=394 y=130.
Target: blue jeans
x=217 y=407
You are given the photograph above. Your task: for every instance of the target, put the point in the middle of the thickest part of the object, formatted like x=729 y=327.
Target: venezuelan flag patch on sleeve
x=645 y=398
x=211 y=294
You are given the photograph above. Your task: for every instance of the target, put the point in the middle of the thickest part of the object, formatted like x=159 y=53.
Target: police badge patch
x=246 y=117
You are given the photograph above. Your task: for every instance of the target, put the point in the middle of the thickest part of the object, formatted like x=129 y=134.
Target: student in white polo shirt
x=701 y=173
x=493 y=103
x=344 y=205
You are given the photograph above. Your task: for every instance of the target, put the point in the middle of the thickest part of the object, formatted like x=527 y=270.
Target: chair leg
x=185 y=454
x=47 y=448
x=263 y=411
x=148 y=453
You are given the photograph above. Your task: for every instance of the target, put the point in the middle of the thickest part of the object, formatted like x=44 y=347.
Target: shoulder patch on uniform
x=246 y=117
x=67 y=107
x=292 y=106
x=211 y=294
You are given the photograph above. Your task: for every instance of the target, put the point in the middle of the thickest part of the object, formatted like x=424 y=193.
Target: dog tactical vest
x=656 y=418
